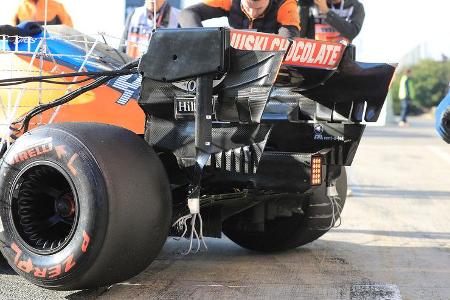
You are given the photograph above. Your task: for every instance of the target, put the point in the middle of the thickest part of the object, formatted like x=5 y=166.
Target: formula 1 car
x=235 y=132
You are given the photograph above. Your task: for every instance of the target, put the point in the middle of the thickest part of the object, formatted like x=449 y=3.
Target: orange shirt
x=287 y=14
x=30 y=10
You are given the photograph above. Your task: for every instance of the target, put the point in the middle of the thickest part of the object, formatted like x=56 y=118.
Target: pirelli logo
x=37 y=149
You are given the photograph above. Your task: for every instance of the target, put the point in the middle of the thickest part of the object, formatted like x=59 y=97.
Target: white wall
x=7 y=11
x=93 y=16
x=393 y=28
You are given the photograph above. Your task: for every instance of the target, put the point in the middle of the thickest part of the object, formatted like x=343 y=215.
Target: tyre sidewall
x=75 y=161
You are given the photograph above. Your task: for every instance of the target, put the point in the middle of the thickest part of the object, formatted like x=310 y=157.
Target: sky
x=392 y=28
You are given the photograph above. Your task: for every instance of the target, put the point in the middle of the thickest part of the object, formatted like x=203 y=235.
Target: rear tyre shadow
x=5 y=268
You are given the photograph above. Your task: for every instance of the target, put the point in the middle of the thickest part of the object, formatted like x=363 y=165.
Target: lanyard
x=161 y=15
x=340 y=11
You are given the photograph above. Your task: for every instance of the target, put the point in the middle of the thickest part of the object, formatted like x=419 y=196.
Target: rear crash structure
x=246 y=134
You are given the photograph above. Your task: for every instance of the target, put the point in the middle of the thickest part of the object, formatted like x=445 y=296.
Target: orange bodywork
x=98 y=105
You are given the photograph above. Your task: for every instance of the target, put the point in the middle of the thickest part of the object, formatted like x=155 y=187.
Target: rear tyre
x=83 y=205
x=286 y=233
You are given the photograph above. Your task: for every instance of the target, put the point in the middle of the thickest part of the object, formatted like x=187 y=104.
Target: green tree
x=430 y=79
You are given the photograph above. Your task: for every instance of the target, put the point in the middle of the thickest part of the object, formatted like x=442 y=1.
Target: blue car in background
x=443 y=119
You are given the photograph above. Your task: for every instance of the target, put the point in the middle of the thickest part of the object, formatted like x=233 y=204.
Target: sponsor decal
x=70 y=165
x=185 y=107
x=60 y=151
x=256 y=41
x=300 y=52
x=190 y=86
x=314 y=54
x=37 y=149
x=27 y=265
x=86 y=240
x=318 y=129
x=320 y=135
x=128 y=85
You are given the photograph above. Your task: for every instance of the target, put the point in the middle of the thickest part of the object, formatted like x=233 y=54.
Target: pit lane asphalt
x=394 y=241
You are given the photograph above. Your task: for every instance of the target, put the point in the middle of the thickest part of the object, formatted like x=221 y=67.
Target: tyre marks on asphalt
x=317 y=271
x=314 y=272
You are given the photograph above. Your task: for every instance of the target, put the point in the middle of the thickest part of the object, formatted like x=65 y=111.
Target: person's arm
x=15 y=20
x=289 y=19
x=194 y=15
x=64 y=16
x=304 y=20
x=289 y=31
x=351 y=28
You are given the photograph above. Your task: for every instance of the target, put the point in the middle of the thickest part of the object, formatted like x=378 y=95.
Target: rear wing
x=252 y=63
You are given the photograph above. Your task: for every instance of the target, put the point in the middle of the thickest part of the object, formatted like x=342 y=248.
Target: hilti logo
x=186 y=106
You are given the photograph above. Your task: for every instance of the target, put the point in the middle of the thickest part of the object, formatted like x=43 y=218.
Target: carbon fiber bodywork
x=244 y=92
x=238 y=137
x=268 y=119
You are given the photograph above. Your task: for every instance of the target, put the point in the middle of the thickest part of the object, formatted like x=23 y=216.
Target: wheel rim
x=44 y=208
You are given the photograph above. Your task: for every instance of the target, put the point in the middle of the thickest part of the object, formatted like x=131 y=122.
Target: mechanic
x=270 y=16
x=34 y=10
x=406 y=93
x=331 y=20
x=140 y=23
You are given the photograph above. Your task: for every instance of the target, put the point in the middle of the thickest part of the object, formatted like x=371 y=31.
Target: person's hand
x=322 y=5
